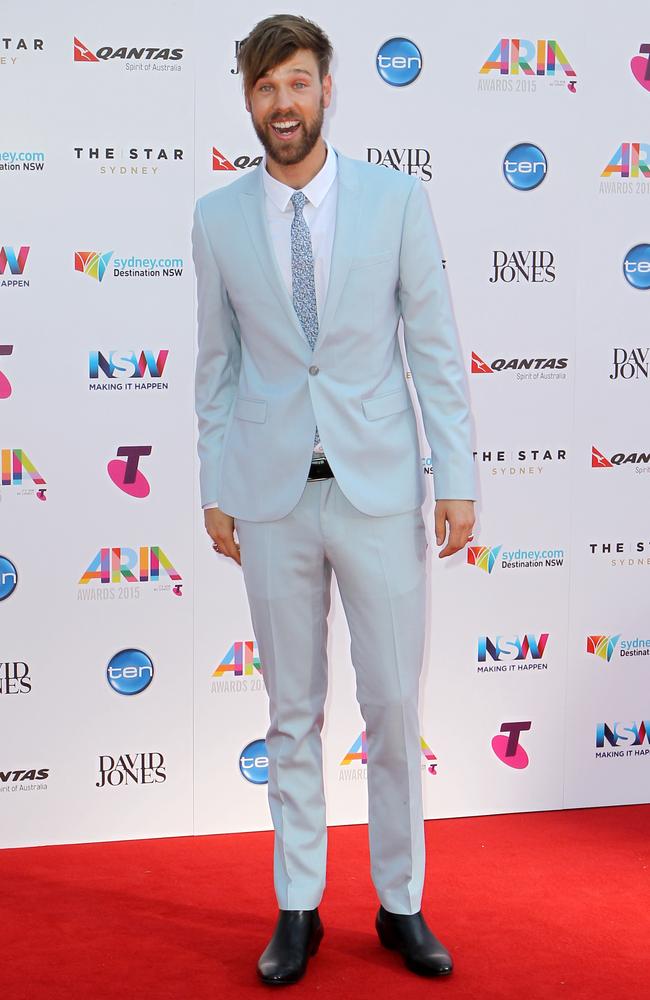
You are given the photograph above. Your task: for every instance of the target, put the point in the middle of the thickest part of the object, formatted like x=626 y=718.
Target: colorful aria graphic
x=16 y=467
x=92 y=263
x=602 y=645
x=483 y=556
x=123 y=565
x=358 y=753
x=242 y=659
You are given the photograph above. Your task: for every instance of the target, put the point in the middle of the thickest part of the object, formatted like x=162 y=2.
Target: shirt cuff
x=209 y=506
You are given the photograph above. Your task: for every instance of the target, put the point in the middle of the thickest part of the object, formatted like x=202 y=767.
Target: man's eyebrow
x=294 y=69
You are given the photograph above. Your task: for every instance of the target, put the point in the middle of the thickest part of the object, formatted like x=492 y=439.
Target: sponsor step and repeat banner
x=132 y=701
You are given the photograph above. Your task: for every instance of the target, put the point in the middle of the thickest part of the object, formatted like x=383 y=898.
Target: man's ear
x=327 y=90
x=247 y=102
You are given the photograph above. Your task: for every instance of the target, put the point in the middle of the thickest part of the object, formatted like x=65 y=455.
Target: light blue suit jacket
x=260 y=390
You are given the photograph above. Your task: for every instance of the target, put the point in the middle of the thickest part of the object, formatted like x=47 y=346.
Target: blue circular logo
x=8 y=578
x=130 y=671
x=399 y=62
x=636 y=266
x=253 y=762
x=524 y=166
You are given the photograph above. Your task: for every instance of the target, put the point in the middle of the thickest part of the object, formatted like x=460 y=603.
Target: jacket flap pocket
x=383 y=406
x=250 y=409
x=375 y=258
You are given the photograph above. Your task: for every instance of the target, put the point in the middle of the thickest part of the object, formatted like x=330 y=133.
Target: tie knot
x=298 y=199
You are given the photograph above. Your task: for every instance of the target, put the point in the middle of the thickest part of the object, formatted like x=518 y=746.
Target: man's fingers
x=440 y=525
x=458 y=537
x=227 y=546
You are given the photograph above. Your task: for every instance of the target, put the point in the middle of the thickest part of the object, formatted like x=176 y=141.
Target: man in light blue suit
x=305 y=267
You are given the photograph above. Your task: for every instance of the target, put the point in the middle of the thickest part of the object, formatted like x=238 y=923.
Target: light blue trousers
x=379 y=563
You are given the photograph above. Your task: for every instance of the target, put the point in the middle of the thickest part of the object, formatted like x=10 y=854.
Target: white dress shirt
x=319 y=213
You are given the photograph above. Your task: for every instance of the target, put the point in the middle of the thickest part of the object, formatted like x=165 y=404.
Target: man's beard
x=288 y=154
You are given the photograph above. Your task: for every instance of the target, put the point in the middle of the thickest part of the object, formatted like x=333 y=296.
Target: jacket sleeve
x=218 y=359
x=433 y=352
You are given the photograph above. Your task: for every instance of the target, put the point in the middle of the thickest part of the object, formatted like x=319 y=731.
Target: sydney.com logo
x=486 y=558
x=95 y=264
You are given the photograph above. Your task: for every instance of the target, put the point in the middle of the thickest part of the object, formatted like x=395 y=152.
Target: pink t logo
x=508 y=748
x=127 y=475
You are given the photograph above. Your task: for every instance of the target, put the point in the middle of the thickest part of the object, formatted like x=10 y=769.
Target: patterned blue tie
x=302 y=281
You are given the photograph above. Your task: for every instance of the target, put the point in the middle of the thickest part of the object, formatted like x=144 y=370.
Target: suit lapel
x=346 y=235
x=252 y=206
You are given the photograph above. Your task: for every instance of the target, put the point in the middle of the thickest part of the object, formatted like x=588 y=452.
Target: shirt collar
x=280 y=194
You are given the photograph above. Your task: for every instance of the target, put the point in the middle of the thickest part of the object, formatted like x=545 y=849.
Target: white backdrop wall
x=517 y=713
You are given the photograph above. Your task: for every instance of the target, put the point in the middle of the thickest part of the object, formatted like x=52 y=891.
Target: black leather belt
x=320 y=470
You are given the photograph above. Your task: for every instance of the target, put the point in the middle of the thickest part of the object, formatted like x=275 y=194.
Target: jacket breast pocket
x=250 y=409
x=386 y=404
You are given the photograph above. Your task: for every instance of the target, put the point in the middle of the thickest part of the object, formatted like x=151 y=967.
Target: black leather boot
x=409 y=935
x=297 y=936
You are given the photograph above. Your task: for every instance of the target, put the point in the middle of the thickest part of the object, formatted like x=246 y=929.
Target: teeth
x=284 y=125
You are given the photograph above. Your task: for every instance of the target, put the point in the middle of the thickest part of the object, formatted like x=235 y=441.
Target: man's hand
x=459 y=515
x=220 y=528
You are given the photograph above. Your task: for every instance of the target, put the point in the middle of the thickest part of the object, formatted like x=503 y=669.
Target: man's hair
x=275 y=39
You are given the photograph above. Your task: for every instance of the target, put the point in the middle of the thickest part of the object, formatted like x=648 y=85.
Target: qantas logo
x=221 y=162
x=599 y=461
x=105 y=52
x=480 y=367
x=82 y=53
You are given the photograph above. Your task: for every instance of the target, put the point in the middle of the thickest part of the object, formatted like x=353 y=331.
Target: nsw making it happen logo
x=130 y=671
x=399 y=62
x=525 y=166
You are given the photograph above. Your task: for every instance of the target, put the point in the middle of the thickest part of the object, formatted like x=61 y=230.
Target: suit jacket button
x=314 y=370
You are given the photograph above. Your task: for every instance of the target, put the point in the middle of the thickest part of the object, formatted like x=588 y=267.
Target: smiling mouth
x=285 y=129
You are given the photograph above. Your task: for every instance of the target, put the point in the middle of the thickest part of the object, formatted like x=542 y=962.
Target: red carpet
x=537 y=905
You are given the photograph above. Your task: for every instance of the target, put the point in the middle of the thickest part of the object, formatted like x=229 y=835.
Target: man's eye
x=299 y=83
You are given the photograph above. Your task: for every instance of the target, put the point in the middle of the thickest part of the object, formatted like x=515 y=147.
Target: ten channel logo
x=130 y=671
x=636 y=266
x=8 y=578
x=254 y=762
x=524 y=166
x=399 y=62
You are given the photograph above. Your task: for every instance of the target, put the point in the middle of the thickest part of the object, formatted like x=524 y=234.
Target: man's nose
x=283 y=100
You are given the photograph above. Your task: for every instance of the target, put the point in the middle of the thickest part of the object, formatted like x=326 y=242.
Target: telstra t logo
x=508 y=748
x=5 y=384
x=126 y=474
x=640 y=66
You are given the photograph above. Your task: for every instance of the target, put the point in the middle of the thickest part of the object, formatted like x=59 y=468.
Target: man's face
x=286 y=107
